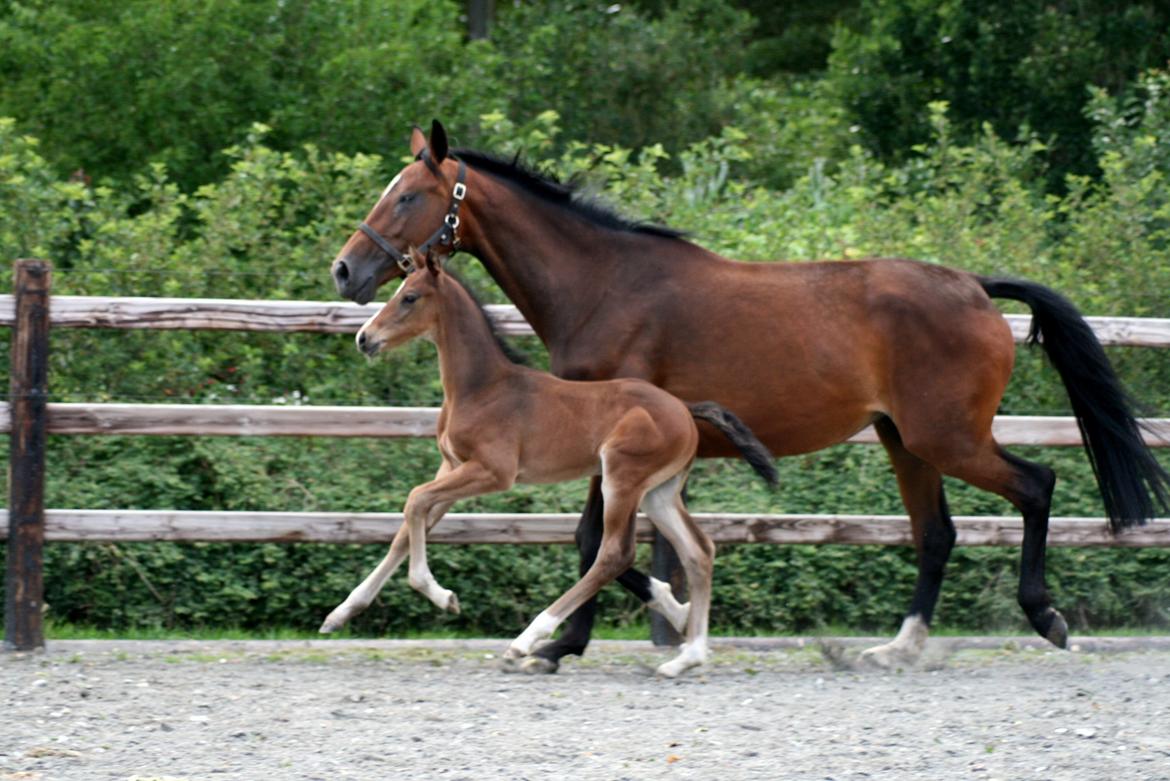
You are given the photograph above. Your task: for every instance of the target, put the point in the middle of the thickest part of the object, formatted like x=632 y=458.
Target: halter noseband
x=445 y=233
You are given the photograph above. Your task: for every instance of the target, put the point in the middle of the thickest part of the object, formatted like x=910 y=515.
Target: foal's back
x=561 y=429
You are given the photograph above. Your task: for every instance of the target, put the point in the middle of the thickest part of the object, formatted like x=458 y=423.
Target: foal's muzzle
x=366 y=345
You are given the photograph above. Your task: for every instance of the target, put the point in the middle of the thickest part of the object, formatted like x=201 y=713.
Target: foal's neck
x=470 y=359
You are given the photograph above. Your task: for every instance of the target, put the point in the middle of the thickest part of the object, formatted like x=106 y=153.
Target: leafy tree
x=1012 y=64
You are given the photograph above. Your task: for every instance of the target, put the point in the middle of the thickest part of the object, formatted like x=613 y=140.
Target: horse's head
x=413 y=311
x=419 y=208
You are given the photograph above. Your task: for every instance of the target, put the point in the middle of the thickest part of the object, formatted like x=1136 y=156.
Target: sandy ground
x=994 y=709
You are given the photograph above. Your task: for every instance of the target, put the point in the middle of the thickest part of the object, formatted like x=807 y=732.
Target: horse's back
x=809 y=353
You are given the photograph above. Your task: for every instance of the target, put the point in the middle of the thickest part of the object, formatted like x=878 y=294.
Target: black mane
x=563 y=194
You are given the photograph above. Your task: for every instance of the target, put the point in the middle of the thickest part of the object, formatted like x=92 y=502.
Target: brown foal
x=502 y=423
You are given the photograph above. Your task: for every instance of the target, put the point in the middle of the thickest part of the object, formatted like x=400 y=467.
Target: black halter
x=445 y=233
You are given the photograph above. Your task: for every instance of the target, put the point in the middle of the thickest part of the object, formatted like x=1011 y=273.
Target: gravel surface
x=419 y=710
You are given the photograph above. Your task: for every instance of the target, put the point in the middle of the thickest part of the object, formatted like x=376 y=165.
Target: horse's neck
x=469 y=357
x=555 y=267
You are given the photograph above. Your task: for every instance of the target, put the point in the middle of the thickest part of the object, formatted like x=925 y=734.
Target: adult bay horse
x=503 y=423
x=917 y=350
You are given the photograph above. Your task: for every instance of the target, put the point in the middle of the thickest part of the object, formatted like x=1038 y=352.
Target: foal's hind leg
x=934 y=536
x=666 y=510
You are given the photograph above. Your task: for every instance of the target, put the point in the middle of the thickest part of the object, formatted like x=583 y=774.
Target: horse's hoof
x=538 y=665
x=453 y=604
x=886 y=657
x=1057 y=633
x=330 y=626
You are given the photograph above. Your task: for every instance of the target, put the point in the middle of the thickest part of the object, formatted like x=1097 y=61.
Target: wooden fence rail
x=230 y=314
x=256 y=420
x=29 y=419
x=557 y=528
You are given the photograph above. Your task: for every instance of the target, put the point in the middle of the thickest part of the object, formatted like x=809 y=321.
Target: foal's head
x=413 y=311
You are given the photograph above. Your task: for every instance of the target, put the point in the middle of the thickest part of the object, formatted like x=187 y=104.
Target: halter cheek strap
x=444 y=235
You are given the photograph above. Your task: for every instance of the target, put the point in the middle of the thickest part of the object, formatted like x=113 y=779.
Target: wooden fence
x=29 y=418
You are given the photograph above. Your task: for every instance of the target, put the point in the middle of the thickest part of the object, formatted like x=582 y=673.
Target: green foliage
x=110 y=87
x=1008 y=63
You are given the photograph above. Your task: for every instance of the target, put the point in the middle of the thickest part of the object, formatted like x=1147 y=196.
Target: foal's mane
x=510 y=352
x=565 y=194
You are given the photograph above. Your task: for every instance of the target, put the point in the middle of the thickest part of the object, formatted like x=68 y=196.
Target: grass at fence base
x=59 y=631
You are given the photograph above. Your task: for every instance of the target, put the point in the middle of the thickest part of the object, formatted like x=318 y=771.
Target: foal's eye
x=410 y=298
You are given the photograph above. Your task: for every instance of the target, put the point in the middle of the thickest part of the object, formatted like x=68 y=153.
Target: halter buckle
x=459 y=192
x=405 y=263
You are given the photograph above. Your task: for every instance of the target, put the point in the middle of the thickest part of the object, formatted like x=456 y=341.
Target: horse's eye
x=406 y=198
x=410 y=298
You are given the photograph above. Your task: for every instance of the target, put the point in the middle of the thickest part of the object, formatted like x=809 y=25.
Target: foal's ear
x=418 y=141
x=438 y=142
x=434 y=264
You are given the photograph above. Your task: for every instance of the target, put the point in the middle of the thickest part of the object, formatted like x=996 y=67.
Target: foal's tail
x=737 y=432
x=1133 y=484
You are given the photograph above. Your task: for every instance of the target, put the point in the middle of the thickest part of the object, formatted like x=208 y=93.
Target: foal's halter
x=445 y=233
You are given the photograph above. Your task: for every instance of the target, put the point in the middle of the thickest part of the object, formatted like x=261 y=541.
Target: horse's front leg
x=427 y=504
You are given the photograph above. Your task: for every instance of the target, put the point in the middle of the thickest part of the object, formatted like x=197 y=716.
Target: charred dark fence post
x=665 y=566
x=24 y=585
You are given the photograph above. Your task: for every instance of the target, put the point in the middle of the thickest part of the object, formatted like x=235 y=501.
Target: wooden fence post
x=24 y=585
x=665 y=566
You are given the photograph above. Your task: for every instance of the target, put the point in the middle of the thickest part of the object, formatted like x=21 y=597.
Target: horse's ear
x=438 y=142
x=418 y=141
x=434 y=264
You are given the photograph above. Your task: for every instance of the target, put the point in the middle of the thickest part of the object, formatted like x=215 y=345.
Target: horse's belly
x=786 y=437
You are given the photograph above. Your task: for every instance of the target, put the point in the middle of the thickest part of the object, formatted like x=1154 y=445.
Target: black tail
x=1133 y=484
x=752 y=449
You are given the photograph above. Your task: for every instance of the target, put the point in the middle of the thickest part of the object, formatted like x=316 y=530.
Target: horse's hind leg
x=664 y=506
x=1028 y=486
x=933 y=531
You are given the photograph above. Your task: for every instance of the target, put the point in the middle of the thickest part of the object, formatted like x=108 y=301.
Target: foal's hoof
x=453 y=604
x=331 y=624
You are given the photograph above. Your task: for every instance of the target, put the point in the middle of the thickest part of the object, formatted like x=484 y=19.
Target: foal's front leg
x=427 y=504
x=363 y=596
x=614 y=557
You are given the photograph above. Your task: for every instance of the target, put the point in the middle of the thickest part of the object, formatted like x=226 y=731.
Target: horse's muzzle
x=357 y=286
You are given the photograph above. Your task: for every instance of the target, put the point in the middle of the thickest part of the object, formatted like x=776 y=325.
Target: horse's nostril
x=361 y=340
x=341 y=271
